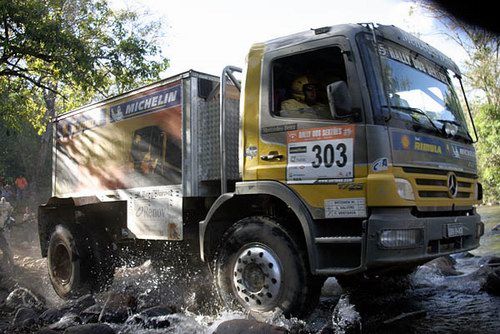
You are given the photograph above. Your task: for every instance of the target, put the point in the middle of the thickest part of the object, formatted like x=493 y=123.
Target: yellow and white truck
x=343 y=149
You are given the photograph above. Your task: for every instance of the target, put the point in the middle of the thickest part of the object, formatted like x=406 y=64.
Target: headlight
x=405 y=190
x=401 y=238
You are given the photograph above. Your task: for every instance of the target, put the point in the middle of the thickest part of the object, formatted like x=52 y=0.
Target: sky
x=208 y=35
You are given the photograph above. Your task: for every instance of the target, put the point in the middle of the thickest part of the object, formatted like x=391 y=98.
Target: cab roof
x=350 y=31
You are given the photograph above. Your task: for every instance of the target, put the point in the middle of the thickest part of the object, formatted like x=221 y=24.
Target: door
x=319 y=154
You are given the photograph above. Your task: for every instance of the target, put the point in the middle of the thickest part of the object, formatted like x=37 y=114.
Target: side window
x=300 y=82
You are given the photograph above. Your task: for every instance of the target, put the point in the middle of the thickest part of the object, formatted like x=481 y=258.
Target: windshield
x=413 y=82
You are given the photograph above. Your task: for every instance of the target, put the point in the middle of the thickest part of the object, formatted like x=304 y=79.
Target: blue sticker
x=409 y=142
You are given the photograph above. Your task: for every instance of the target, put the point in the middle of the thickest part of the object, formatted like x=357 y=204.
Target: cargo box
x=150 y=147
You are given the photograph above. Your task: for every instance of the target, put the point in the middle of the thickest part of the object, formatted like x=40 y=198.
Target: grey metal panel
x=208 y=120
x=208 y=150
x=378 y=137
x=187 y=170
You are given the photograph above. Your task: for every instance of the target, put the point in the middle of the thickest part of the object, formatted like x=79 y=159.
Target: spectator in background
x=8 y=193
x=21 y=185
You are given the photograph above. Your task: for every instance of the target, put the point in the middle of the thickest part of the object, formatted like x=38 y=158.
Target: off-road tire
x=77 y=263
x=298 y=291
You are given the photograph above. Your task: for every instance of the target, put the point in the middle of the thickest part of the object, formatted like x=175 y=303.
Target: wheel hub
x=257 y=277
x=61 y=267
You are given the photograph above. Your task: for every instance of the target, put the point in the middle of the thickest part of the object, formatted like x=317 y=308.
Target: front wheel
x=260 y=267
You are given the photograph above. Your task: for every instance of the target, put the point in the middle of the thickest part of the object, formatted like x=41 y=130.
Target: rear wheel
x=77 y=264
x=260 y=267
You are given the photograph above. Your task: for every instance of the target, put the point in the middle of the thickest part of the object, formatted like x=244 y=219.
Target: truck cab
x=386 y=177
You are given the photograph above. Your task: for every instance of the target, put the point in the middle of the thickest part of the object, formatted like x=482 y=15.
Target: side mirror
x=339 y=99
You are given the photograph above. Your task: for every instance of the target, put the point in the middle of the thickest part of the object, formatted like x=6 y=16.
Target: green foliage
x=74 y=48
x=56 y=55
x=488 y=149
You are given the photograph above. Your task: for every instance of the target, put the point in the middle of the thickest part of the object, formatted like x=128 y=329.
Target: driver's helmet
x=301 y=83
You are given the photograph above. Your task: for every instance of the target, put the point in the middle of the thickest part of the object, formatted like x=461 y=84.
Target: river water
x=424 y=302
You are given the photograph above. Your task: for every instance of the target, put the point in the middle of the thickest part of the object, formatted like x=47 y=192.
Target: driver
x=305 y=102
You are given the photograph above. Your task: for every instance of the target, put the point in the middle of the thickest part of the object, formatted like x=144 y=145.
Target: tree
x=56 y=54
x=482 y=74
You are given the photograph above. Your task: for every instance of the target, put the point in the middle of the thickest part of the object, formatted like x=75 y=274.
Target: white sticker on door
x=345 y=207
x=320 y=155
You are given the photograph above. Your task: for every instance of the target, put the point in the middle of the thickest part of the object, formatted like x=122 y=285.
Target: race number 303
x=320 y=155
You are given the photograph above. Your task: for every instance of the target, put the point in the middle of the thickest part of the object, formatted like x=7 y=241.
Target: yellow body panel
x=250 y=126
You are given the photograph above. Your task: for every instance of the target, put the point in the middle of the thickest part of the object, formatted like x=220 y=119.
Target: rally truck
x=275 y=202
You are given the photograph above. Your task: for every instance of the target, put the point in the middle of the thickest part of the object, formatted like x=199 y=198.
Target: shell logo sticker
x=405 y=142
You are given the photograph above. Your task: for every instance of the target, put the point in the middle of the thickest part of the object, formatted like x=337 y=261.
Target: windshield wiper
x=420 y=112
x=449 y=121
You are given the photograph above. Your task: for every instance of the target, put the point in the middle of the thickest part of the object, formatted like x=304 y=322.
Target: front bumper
x=435 y=240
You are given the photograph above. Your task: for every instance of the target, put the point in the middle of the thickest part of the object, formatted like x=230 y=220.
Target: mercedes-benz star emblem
x=452 y=185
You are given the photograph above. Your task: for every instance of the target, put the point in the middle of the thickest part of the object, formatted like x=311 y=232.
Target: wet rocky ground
x=459 y=294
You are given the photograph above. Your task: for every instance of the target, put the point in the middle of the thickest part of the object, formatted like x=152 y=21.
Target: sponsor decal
x=404 y=56
x=320 y=155
x=418 y=143
x=461 y=152
x=345 y=207
x=425 y=144
x=380 y=165
x=350 y=186
x=165 y=98
x=279 y=128
x=78 y=123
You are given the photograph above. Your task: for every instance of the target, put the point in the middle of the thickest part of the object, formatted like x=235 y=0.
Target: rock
x=495 y=230
x=67 y=321
x=463 y=255
x=51 y=315
x=331 y=288
x=159 y=311
x=244 y=326
x=90 y=329
x=91 y=314
x=158 y=322
x=47 y=331
x=345 y=318
x=23 y=317
x=78 y=305
x=493 y=261
x=444 y=265
x=406 y=317
x=492 y=281
x=153 y=322
x=153 y=317
x=22 y=297
x=117 y=307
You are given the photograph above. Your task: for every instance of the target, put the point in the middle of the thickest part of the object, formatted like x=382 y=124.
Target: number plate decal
x=320 y=155
x=454 y=230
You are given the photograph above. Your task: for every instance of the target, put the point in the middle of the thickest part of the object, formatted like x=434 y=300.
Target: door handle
x=273 y=155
